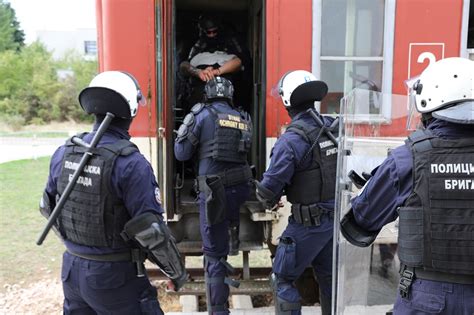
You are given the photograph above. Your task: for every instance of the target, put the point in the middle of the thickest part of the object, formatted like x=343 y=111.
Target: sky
x=53 y=15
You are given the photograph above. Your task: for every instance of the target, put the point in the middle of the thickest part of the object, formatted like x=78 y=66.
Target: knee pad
x=282 y=306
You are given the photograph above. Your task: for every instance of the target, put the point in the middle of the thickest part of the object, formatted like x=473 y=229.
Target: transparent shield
x=361 y=285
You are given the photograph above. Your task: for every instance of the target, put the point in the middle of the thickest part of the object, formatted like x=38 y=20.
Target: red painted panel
x=424 y=30
x=289 y=47
x=424 y=26
x=127 y=42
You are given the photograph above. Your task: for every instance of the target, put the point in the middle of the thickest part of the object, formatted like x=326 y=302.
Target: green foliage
x=31 y=87
x=15 y=122
x=66 y=99
x=11 y=36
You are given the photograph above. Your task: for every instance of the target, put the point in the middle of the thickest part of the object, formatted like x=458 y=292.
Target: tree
x=32 y=89
x=29 y=78
x=11 y=36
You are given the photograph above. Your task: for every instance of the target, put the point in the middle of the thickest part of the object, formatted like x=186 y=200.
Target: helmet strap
x=426 y=119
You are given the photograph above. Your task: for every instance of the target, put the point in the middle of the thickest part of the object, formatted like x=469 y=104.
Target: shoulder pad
x=182 y=133
x=197 y=108
x=420 y=140
x=420 y=135
x=188 y=119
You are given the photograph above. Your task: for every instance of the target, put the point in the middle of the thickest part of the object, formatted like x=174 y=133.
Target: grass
x=21 y=260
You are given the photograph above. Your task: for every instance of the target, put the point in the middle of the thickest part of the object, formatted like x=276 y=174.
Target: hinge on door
x=161 y=132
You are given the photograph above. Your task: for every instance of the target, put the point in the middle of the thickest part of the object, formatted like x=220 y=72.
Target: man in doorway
x=216 y=53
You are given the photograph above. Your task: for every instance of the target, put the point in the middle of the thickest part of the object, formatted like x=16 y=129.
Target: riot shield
x=366 y=279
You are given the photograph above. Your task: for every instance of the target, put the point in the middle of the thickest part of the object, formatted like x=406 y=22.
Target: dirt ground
x=43 y=297
x=46 y=298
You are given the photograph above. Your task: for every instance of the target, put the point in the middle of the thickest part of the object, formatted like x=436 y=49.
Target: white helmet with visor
x=116 y=92
x=298 y=87
x=446 y=90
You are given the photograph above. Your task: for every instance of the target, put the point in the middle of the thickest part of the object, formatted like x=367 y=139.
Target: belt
x=443 y=276
x=133 y=255
x=229 y=177
x=308 y=215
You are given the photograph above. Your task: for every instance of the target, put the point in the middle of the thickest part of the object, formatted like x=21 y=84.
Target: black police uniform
x=220 y=136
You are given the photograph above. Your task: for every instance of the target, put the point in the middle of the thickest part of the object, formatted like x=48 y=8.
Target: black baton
x=322 y=125
x=85 y=158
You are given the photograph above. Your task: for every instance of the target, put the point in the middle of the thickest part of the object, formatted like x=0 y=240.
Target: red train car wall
x=424 y=31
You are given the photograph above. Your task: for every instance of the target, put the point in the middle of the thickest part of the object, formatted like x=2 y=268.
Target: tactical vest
x=93 y=215
x=436 y=231
x=232 y=137
x=318 y=181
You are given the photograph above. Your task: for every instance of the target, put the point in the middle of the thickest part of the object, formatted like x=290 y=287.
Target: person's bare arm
x=230 y=66
x=187 y=69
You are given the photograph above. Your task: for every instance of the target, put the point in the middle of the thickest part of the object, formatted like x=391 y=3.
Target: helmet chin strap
x=426 y=119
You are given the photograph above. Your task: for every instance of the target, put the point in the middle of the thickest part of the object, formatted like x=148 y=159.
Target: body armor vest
x=93 y=215
x=318 y=181
x=232 y=138
x=436 y=230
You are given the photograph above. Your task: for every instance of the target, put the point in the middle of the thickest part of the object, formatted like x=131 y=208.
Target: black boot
x=234 y=241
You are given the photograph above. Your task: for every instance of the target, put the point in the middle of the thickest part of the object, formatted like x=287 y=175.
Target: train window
x=352 y=50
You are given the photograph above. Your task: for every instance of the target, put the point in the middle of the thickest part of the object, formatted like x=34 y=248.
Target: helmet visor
x=413 y=118
x=141 y=100
x=276 y=90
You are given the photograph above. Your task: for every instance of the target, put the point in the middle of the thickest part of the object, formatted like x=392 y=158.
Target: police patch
x=158 y=195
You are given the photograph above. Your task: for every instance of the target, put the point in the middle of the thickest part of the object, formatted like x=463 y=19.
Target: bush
x=32 y=89
x=15 y=122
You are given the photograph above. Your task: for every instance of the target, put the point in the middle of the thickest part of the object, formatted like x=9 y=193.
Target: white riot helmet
x=116 y=92
x=300 y=86
x=446 y=90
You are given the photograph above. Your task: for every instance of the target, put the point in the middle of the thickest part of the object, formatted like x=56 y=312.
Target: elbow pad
x=354 y=233
x=45 y=206
x=266 y=197
x=152 y=235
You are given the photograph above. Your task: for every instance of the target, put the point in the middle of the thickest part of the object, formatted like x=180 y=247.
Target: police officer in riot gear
x=112 y=219
x=302 y=166
x=216 y=53
x=219 y=136
x=429 y=184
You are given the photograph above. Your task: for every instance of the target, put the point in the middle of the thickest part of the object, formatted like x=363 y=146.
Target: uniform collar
x=443 y=128
x=301 y=115
x=221 y=104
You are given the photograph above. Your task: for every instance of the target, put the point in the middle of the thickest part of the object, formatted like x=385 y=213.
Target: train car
x=368 y=44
